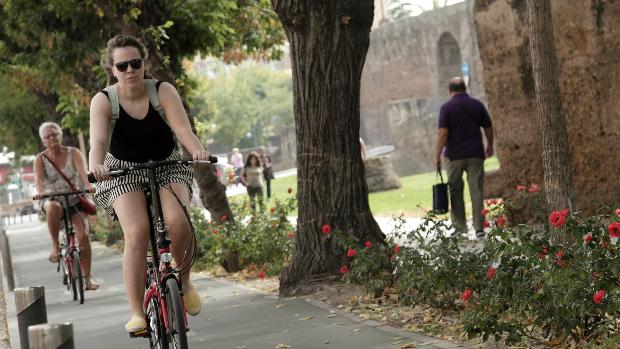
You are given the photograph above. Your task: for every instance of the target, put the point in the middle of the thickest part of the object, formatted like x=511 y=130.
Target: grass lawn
x=413 y=199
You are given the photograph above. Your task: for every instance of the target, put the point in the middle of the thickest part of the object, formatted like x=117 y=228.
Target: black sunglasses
x=134 y=63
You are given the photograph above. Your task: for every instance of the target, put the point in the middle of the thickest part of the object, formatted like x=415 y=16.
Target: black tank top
x=141 y=140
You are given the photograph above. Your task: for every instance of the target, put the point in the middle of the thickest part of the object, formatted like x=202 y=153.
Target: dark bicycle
x=69 y=255
x=163 y=300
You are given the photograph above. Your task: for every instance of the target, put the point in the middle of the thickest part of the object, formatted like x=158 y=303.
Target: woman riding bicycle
x=47 y=180
x=141 y=134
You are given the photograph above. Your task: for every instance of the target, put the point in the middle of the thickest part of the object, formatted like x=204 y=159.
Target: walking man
x=460 y=120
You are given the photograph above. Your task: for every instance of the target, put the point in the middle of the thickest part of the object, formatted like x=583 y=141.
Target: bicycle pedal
x=139 y=334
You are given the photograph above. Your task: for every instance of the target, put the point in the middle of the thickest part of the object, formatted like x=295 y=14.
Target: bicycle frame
x=68 y=248
x=162 y=280
x=159 y=268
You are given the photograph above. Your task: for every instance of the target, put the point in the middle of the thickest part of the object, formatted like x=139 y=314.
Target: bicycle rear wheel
x=158 y=337
x=78 y=277
x=176 y=315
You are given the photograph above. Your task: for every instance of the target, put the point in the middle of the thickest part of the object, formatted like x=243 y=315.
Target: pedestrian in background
x=460 y=120
x=265 y=159
x=252 y=178
x=236 y=159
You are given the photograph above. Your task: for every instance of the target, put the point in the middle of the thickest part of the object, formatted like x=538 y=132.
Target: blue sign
x=465 y=69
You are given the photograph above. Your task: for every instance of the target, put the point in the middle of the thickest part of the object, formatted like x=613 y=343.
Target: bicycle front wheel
x=157 y=330
x=176 y=315
x=78 y=277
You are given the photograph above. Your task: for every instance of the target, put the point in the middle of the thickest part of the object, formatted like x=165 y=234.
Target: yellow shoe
x=135 y=324
x=192 y=301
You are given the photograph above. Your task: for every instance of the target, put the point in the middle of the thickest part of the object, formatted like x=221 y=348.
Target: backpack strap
x=115 y=108
x=151 y=90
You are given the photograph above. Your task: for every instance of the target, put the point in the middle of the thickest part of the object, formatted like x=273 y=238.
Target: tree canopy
x=53 y=49
x=234 y=100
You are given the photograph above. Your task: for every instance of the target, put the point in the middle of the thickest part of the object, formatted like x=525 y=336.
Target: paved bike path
x=233 y=316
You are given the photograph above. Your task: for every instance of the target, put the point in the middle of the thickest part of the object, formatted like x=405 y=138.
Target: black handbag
x=440 y=195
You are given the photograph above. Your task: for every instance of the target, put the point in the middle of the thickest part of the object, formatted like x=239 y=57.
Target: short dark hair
x=457 y=85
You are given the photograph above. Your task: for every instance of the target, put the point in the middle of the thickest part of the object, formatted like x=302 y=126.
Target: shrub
x=262 y=241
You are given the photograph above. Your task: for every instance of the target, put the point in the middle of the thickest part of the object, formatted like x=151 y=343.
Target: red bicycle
x=69 y=255
x=163 y=300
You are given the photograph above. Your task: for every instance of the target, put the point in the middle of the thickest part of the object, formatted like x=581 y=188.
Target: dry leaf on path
x=307 y=318
x=278 y=306
x=282 y=346
x=408 y=345
x=330 y=316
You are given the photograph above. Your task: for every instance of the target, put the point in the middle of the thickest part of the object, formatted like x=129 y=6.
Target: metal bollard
x=51 y=336
x=7 y=264
x=30 y=309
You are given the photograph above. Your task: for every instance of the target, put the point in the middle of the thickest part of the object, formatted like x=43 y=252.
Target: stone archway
x=448 y=61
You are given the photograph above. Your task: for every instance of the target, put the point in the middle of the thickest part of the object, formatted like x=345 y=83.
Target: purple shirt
x=463 y=116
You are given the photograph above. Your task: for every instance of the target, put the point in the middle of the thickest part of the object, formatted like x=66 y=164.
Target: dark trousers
x=474 y=167
x=254 y=192
x=268 y=184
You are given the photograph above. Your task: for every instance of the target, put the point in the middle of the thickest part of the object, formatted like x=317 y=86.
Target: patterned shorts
x=108 y=191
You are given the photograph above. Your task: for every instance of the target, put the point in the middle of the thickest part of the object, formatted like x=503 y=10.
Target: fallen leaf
x=330 y=316
x=307 y=318
x=282 y=346
x=278 y=306
x=398 y=338
x=408 y=345
x=356 y=330
x=342 y=323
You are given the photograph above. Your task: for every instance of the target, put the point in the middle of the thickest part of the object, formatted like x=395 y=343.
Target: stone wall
x=405 y=80
x=587 y=36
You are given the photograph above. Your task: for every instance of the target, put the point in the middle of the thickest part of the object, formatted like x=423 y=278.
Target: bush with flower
x=568 y=292
x=263 y=240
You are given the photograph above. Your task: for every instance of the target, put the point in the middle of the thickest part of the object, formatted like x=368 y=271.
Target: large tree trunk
x=329 y=40
x=552 y=122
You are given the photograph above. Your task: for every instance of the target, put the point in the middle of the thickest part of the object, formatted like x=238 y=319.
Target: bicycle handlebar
x=120 y=171
x=63 y=193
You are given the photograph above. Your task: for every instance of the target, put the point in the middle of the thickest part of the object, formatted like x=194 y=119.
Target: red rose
x=223 y=218
x=261 y=275
x=291 y=234
x=290 y=190
x=272 y=210
x=587 y=238
x=486 y=224
x=215 y=232
x=344 y=269
x=484 y=212
x=543 y=254
x=559 y=254
x=501 y=222
x=534 y=188
x=520 y=188
x=396 y=249
x=466 y=295
x=558 y=218
x=326 y=229
x=368 y=244
x=598 y=296
x=351 y=252
x=493 y=202
x=491 y=273
x=614 y=230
